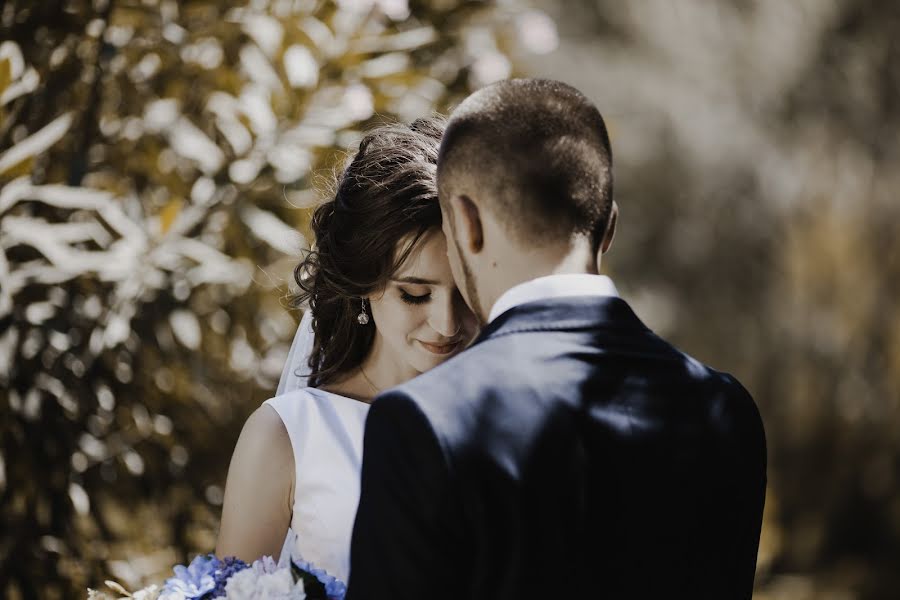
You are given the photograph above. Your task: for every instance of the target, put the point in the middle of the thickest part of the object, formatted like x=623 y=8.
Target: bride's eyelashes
x=411 y=299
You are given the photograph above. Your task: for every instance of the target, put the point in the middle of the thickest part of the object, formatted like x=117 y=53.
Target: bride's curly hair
x=385 y=195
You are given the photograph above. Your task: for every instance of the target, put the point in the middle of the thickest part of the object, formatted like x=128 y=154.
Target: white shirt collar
x=553 y=286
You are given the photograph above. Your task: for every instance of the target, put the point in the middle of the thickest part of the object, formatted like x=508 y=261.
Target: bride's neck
x=378 y=372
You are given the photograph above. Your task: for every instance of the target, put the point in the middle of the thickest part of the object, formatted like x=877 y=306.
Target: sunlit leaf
x=191 y=142
x=186 y=328
x=20 y=87
x=11 y=54
x=80 y=499
x=301 y=67
x=272 y=230
x=35 y=144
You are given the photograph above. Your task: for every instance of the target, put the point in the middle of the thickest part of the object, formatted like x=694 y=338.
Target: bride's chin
x=429 y=360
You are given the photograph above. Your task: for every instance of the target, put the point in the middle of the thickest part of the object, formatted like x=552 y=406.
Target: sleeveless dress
x=326 y=433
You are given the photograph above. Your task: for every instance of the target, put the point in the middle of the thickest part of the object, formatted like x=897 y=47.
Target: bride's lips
x=440 y=348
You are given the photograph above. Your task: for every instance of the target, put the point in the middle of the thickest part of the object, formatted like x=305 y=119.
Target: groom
x=569 y=452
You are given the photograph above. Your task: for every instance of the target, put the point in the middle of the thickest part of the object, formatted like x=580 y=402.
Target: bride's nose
x=444 y=318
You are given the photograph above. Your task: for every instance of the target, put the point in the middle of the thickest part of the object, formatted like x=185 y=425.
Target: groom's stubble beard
x=471 y=288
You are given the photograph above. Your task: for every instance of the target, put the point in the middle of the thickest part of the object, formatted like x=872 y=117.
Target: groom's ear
x=467 y=222
x=610 y=228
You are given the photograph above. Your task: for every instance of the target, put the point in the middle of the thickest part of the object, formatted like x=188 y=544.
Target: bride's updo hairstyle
x=385 y=202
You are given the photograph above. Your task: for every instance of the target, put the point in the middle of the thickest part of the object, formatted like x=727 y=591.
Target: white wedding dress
x=326 y=433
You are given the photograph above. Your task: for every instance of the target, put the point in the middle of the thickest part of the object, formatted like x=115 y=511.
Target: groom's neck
x=524 y=264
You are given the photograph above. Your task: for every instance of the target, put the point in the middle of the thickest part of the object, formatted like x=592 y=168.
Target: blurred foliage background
x=158 y=162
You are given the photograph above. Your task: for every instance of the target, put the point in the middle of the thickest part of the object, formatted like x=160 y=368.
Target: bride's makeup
x=440 y=349
x=417 y=297
x=420 y=316
x=414 y=297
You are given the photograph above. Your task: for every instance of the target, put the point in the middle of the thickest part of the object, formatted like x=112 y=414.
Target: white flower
x=151 y=592
x=148 y=593
x=249 y=584
x=263 y=565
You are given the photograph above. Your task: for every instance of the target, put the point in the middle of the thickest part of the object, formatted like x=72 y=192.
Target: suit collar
x=553 y=286
x=570 y=313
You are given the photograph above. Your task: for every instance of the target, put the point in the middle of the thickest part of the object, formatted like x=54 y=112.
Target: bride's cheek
x=414 y=321
x=400 y=317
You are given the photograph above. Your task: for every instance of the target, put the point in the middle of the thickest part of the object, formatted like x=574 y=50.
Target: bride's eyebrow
x=415 y=280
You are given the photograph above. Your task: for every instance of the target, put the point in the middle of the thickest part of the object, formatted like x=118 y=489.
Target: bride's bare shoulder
x=264 y=440
x=262 y=466
x=256 y=511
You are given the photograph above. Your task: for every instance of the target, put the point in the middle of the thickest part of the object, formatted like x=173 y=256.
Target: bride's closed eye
x=413 y=299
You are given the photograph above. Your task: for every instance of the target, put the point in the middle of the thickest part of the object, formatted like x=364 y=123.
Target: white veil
x=296 y=368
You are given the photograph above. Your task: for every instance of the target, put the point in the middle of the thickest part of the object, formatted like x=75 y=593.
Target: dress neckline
x=345 y=399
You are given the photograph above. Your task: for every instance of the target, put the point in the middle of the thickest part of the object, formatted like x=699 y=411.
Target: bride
x=383 y=308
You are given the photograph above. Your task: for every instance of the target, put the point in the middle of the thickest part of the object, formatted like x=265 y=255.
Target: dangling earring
x=363 y=318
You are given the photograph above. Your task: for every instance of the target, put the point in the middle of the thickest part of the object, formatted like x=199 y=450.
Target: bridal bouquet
x=211 y=578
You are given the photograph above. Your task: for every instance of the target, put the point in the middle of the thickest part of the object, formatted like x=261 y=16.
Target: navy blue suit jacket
x=568 y=453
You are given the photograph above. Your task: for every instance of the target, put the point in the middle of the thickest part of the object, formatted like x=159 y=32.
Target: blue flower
x=194 y=581
x=227 y=567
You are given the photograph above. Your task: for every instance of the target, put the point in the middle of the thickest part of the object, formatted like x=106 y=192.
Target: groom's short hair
x=539 y=151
